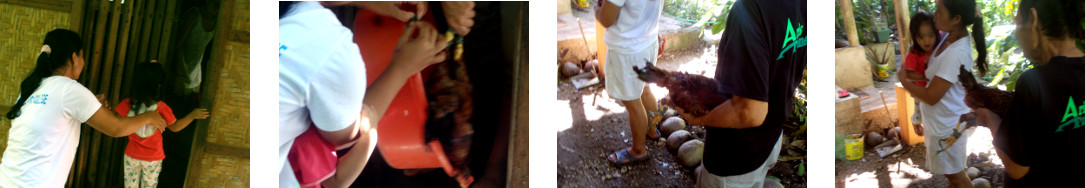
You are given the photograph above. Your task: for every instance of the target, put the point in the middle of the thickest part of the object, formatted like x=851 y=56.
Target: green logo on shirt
x=792 y=36
x=1073 y=112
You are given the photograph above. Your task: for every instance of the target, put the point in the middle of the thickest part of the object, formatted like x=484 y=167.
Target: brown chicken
x=979 y=96
x=695 y=93
x=448 y=91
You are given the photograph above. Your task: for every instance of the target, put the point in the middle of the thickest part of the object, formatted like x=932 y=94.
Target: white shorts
x=755 y=178
x=622 y=82
x=952 y=160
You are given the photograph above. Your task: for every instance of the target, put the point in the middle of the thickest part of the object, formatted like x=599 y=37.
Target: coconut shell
x=672 y=124
x=873 y=139
x=981 y=183
x=569 y=69
x=670 y=113
x=676 y=139
x=691 y=153
x=973 y=172
x=894 y=133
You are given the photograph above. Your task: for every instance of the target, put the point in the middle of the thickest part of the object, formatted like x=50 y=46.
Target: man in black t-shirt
x=762 y=56
x=1042 y=133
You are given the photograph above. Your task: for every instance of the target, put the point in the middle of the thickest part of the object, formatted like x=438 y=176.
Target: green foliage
x=799 y=102
x=1005 y=60
x=704 y=13
x=916 y=5
x=870 y=16
x=724 y=8
x=802 y=168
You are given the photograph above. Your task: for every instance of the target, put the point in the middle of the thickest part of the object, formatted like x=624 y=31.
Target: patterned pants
x=138 y=172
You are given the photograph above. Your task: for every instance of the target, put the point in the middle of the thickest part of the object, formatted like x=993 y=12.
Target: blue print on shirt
x=281 y=49
x=37 y=99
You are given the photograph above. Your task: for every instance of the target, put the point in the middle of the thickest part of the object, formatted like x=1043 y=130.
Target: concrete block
x=853 y=70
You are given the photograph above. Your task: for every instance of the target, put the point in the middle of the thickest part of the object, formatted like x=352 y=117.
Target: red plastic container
x=401 y=131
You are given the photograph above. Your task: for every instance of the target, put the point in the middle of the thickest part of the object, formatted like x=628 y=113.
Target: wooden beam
x=108 y=79
x=102 y=10
x=76 y=16
x=148 y=21
x=849 y=22
x=63 y=6
x=226 y=150
x=135 y=34
x=239 y=36
x=210 y=87
x=122 y=55
x=167 y=29
x=903 y=20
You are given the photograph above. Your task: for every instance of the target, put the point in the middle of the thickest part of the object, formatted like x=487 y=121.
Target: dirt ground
x=907 y=167
x=600 y=129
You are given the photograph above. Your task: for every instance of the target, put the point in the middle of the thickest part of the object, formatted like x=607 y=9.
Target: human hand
x=460 y=15
x=390 y=8
x=989 y=119
x=689 y=118
x=153 y=119
x=425 y=49
x=199 y=113
x=902 y=76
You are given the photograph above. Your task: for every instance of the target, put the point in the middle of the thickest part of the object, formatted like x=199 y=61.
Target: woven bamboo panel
x=230 y=125
x=22 y=30
x=223 y=171
x=5 y=125
x=241 y=20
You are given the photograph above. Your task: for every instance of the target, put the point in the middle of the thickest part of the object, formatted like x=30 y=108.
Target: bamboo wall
x=116 y=36
x=220 y=156
x=23 y=29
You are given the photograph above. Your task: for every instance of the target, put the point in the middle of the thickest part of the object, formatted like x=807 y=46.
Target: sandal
x=624 y=157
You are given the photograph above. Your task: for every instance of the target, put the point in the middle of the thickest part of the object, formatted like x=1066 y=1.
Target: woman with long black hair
x=1040 y=139
x=45 y=121
x=942 y=100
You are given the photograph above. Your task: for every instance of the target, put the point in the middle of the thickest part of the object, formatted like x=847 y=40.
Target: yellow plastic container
x=881 y=71
x=853 y=147
x=583 y=3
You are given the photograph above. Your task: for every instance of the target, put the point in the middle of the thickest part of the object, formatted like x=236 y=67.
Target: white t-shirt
x=943 y=116
x=321 y=77
x=43 y=139
x=635 y=28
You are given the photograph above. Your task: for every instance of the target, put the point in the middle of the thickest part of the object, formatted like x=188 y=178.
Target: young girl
x=925 y=36
x=143 y=155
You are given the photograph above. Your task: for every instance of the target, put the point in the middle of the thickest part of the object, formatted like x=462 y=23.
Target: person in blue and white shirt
x=45 y=121
x=322 y=82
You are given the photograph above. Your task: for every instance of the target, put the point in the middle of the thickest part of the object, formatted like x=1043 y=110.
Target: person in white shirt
x=45 y=121
x=322 y=82
x=942 y=101
x=631 y=41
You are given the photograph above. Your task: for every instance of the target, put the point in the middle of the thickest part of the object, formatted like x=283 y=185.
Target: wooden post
x=76 y=16
x=903 y=20
x=849 y=22
x=600 y=46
